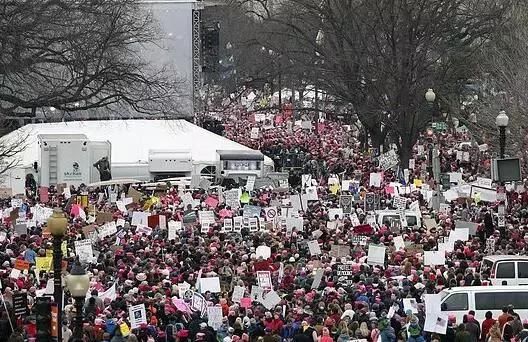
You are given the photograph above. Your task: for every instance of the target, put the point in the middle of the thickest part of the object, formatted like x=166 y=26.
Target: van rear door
x=505 y=273
x=522 y=272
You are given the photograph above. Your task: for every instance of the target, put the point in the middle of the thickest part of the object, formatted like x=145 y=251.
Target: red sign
x=21 y=264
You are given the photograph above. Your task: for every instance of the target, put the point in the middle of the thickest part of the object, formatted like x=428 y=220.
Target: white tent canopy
x=132 y=139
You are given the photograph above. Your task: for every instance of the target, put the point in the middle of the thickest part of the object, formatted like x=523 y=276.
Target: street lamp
x=502 y=121
x=57 y=225
x=430 y=96
x=78 y=283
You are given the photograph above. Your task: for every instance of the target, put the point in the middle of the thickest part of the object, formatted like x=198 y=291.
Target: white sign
x=375 y=179
x=250 y=184
x=263 y=251
x=174 y=227
x=254 y=133
x=228 y=225
x=137 y=315
x=238 y=221
x=399 y=243
x=211 y=284
x=139 y=218
x=461 y=234
x=143 y=230
x=376 y=255
x=108 y=229
x=206 y=217
x=433 y=258
x=359 y=240
x=232 y=198
x=264 y=280
x=214 y=317
x=238 y=293
x=484 y=182
x=410 y=304
x=83 y=249
x=271 y=300
x=314 y=247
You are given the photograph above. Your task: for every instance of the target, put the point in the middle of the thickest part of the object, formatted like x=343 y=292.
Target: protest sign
x=359 y=240
x=206 y=216
x=399 y=243
x=433 y=258
x=335 y=212
x=314 y=247
x=20 y=304
x=139 y=218
x=256 y=293
x=461 y=234
x=410 y=304
x=263 y=251
x=211 y=284
x=339 y=251
x=345 y=274
x=471 y=226
x=137 y=315
x=264 y=280
x=318 y=277
x=388 y=160
x=270 y=300
x=238 y=293
x=436 y=322
x=250 y=184
x=214 y=317
x=22 y=264
x=83 y=249
x=228 y=225
x=346 y=203
x=199 y=303
x=376 y=255
x=108 y=229
x=375 y=179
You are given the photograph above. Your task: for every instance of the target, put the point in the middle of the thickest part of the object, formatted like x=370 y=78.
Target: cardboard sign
x=339 y=251
x=135 y=195
x=103 y=217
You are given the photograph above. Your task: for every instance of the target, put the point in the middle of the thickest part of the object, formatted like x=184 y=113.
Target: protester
x=208 y=263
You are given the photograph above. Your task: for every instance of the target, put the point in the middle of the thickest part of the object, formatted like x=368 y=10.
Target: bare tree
x=81 y=55
x=382 y=56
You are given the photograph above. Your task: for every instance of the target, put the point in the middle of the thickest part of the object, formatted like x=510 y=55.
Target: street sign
x=440 y=126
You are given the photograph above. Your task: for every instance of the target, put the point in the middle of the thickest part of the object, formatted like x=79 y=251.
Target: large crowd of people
x=265 y=264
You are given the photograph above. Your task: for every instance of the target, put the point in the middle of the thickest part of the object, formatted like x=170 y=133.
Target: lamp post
x=78 y=283
x=502 y=121
x=430 y=97
x=57 y=225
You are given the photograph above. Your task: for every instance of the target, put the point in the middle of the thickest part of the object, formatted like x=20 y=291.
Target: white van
x=460 y=300
x=384 y=217
x=506 y=269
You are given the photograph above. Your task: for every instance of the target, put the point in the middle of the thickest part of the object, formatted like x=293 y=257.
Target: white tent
x=131 y=140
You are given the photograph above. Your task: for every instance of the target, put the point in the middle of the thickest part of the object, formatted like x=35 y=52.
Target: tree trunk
x=407 y=144
x=377 y=137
